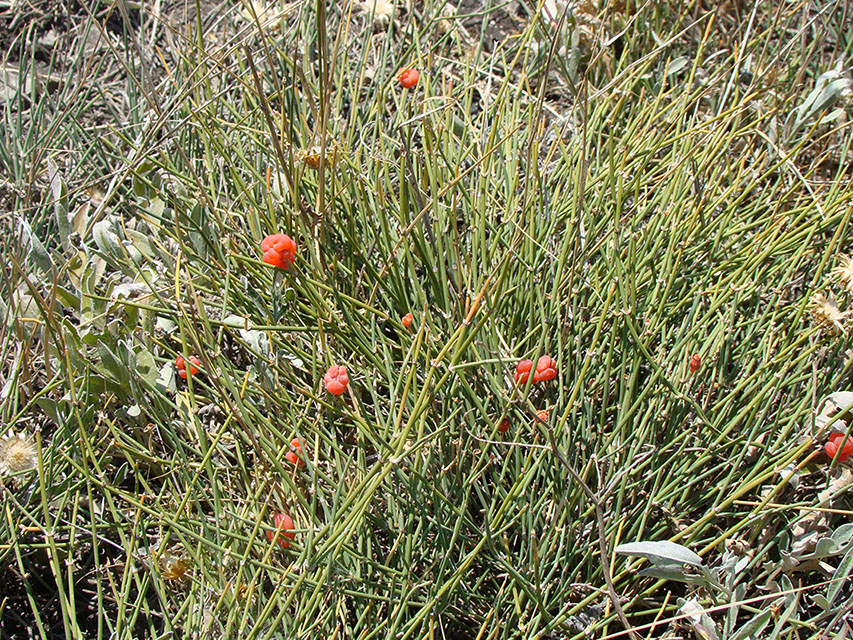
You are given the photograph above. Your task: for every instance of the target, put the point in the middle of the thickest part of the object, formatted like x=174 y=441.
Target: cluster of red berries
x=284 y=523
x=408 y=77
x=283 y=530
x=294 y=456
x=503 y=427
x=181 y=365
x=279 y=250
x=839 y=442
x=546 y=369
x=336 y=379
x=695 y=363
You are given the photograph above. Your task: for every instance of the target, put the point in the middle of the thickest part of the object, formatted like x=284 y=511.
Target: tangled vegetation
x=276 y=277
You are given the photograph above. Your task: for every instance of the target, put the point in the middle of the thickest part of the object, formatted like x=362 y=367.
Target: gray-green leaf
x=661 y=552
x=754 y=627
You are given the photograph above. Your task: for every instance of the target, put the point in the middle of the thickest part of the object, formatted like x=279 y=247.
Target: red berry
x=542 y=414
x=695 y=362
x=279 y=250
x=522 y=371
x=283 y=529
x=181 y=365
x=839 y=441
x=336 y=379
x=408 y=319
x=503 y=427
x=546 y=369
x=294 y=457
x=409 y=78
x=195 y=361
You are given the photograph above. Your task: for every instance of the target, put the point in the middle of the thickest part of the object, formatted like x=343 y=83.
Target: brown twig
x=599 y=519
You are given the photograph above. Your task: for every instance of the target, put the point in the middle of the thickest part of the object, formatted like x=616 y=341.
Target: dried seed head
x=268 y=15
x=447 y=19
x=381 y=10
x=172 y=567
x=825 y=310
x=17 y=453
x=311 y=157
x=843 y=273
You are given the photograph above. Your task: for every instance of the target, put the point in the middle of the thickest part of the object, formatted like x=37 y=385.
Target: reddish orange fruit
x=408 y=319
x=839 y=441
x=542 y=414
x=279 y=250
x=181 y=364
x=546 y=369
x=294 y=456
x=283 y=529
x=503 y=427
x=336 y=379
x=409 y=77
x=522 y=371
x=695 y=362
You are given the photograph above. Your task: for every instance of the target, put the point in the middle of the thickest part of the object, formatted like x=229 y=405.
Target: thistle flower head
x=826 y=311
x=17 y=453
x=843 y=273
